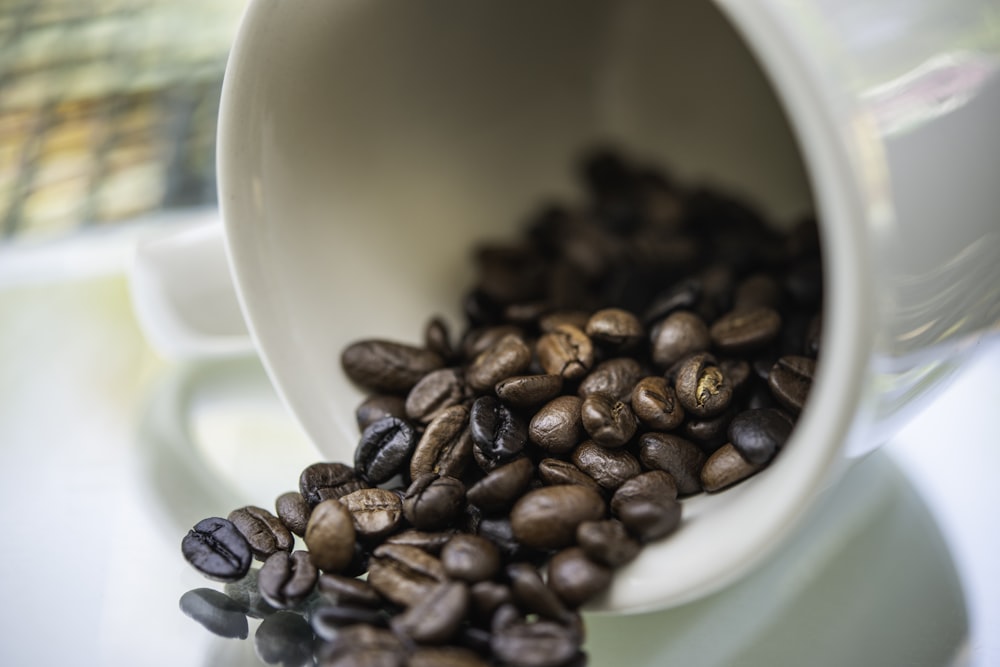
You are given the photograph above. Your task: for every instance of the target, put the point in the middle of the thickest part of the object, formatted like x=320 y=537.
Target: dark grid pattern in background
x=107 y=109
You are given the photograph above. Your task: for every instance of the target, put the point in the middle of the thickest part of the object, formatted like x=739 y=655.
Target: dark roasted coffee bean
x=647 y=505
x=434 y=393
x=499 y=531
x=481 y=308
x=679 y=457
x=434 y=618
x=437 y=338
x=758 y=434
x=738 y=373
x=745 y=330
x=709 y=434
x=470 y=558
x=683 y=295
x=486 y=597
x=445 y=656
x=755 y=291
x=329 y=619
x=293 y=512
x=432 y=502
x=502 y=486
x=701 y=386
x=376 y=407
x=615 y=327
x=609 y=467
x=554 y=472
x=216 y=612
x=498 y=433
x=348 y=590
x=286 y=579
x=508 y=356
x=790 y=380
x=217 y=549
x=376 y=512
x=477 y=341
x=404 y=574
x=576 y=318
x=724 y=468
x=475 y=639
x=679 y=334
x=614 y=378
x=611 y=423
x=525 y=391
x=655 y=404
x=557 y=427
x=531 y=595
x=384 y=449
x=651 y=485
x=538 y=644
x=445 y=447
x=431 y=542
x=264 y=532
x=330 y=536
x=386 y=366
x=566 y=351
x=362 y=646
x=284 y=638
x=575 y=578
x=322 y=481
x=547 y=518
x=607 y=542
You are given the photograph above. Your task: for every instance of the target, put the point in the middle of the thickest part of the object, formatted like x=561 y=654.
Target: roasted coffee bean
x=615 y=327
x=726 y=467
x=404 y=574
x=701 y=386
x=508 y=356
x=614 y=378
x=651 y=485
x=264 y=532
x=498 y=530
x=286 y=579
x=384 y=449
x=679 y=457
x=386 y=366
x=217 y=549
x=566 y=351
x=531 y=595
x=609 y=467
x=445 y=447
x=650 y=519
x=498 y=433
x=284 y=638
x=376 y=512
x=470 y=558
x=611 y=423
x=216 y=612
x=607 y=542
x=502 y=486
x=376 y=407
x=445 y=656
x=655 y=404
x=709 y=434
x=682 y=295
x=434 y=393
x=537 y=644
x=437 y=338
x=329 y=619
x=486 y=597
x=547 y=518
x=738 y=373
x=322 y=481
x=431 y=542
x=575 y=578
x=790 y=380
x=293 y=512
x=435 y=618
x=348 y=590
x=554 y=472
x=330 y=536
x=758 y=434
x=679 y=334
x=432 y=502
x=477 y=341
x=362 y=646
x=558 y=426
x=745 y=330
x=526 y=313
x=525 y=391
x=575 y=318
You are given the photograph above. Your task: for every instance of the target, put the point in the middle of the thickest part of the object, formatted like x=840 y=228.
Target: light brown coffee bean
x=566 y=351
x=726 y=467
x=608 y=467
x=575 y=578
x=547 y=518
x=681 y=458
x=655 y=404
x=330 y=536
x=508 y=356
x=609 y=422
x=445 y=448
x=376 y=512
x=701 y=386
x=558 y=426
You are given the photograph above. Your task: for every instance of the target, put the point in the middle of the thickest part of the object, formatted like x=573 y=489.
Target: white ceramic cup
x=366 y=144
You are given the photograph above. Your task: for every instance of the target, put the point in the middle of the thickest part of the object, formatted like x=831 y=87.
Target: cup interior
x=367 y=145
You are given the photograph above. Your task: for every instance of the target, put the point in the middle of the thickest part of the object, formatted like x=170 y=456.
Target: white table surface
x=95 y=492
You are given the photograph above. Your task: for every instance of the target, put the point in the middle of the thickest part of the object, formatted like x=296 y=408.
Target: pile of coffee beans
x=654 y=342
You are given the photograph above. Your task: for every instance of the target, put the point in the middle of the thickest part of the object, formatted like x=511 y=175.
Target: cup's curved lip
x=819 y=114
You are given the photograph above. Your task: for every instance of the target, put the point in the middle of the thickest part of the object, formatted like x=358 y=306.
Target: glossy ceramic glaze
x=365 y=145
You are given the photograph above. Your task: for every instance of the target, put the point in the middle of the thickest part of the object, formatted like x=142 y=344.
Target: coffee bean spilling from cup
x=656 y=342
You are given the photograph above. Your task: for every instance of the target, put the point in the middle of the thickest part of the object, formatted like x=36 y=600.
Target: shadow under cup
x=366 y=146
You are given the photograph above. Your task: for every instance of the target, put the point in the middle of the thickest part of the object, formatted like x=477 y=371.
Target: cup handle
x=183 y=293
